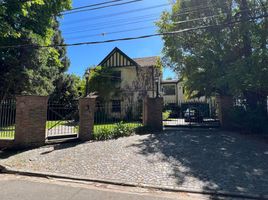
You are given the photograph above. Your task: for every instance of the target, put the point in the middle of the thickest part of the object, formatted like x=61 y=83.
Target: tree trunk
x=224 y=104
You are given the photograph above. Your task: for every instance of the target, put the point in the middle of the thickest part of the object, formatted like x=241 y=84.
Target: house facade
x=172 y=91
x=138 y=78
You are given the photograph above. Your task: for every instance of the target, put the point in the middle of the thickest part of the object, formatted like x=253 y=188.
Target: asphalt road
x=21 y=188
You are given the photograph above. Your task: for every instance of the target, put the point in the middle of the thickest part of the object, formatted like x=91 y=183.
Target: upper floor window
x=169 y=89
x=116 y=76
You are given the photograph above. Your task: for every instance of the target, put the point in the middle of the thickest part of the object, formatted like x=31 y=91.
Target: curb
x=8 y=170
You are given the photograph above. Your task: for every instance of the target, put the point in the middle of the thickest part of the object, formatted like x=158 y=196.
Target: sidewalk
x=207 y=161
x=20 y=187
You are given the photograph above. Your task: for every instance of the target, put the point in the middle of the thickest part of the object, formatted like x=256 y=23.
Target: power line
x=121 y=13
x=108 y=23
x=132 y=38
x=128 y=19
x=192 y=9
x=128 y=30
x=101 y=7
x=111 y=33
x=121 y=20
x=112 y=25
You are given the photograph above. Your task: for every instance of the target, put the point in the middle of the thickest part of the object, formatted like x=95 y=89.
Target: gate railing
x=7 y=119
x=193 y=113
x=108 y=115
x=62 y=120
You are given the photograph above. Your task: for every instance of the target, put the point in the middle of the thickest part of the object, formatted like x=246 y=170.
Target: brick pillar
x=31 y=116
x=224 y=104
x=86 y=117
x=152 y=113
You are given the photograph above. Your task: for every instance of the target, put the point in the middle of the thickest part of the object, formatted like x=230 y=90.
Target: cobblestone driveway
x=193 y=160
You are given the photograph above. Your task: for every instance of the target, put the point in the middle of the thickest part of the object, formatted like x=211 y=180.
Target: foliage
x=174 y=109
x=68 y=88
x=103 y=134
x=159 y=65
x=103 y=81
x=166 y=114
x=120 y=129
x=250 y=120
x=229 y=58
x=29 y=70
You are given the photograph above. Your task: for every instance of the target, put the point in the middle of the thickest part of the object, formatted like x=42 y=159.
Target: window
x=116 y=106
x=116 y=76
x=169 y=89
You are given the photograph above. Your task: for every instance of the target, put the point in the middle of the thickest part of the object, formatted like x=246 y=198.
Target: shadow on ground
x=225 y=162
x=4 y=154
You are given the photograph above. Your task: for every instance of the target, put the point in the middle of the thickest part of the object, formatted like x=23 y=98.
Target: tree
x=229 y=57
x=104 y=82
x=29 y=70
x=68 y=88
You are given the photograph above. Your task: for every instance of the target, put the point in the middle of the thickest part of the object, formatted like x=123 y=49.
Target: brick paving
x=195 y=160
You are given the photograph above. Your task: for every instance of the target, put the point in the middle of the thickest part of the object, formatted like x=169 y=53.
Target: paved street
x=191 y=160
x=28 y=188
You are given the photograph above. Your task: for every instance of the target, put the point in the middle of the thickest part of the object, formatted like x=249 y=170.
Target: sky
x=122 y=21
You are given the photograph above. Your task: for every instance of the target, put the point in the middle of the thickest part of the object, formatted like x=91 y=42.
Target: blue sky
x=103 y=24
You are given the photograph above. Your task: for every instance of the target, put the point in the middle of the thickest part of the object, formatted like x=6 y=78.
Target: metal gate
x=109 y=114
x=191 y=114
x=7 y=119
x=62 y=120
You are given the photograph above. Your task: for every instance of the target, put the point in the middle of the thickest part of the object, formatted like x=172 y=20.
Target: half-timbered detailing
x=117 y=59
x=137 y=80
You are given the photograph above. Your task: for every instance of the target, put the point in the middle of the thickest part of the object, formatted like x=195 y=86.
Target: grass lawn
x=7 y=132
x=111 y=126
x=53 y=124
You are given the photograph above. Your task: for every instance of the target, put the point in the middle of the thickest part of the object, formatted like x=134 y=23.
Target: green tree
x=29 y=70
x=229 y=57
x=104 y=82
x=68 y=88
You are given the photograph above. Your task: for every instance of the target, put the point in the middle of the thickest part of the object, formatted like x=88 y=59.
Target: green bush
x=119 y=130
x=250 y=120
x=166 y=114
x=103 y=134
x=122 y=130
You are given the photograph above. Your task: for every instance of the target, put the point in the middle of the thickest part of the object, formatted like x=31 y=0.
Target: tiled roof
x=146 y=61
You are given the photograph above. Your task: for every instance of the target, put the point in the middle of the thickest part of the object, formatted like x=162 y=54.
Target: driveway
x=189 y=160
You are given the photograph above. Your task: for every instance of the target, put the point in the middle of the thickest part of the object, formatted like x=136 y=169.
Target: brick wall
x=152 y=113
x=31 y=116
x=86 y=117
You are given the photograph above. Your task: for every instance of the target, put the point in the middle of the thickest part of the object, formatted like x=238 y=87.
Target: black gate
x=191 y=114
x=62 y=120
x=7 y=119
x=108 y=115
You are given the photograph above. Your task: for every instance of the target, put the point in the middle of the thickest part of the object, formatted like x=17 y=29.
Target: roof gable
x=117 y=58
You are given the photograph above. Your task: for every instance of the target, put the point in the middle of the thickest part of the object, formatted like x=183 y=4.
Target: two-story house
x=172 y=92
x=138 y=78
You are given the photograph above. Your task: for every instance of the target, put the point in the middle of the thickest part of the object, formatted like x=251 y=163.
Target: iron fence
x=7 y=119
x=193 y=113
x=62 y=120
x=109 y=115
